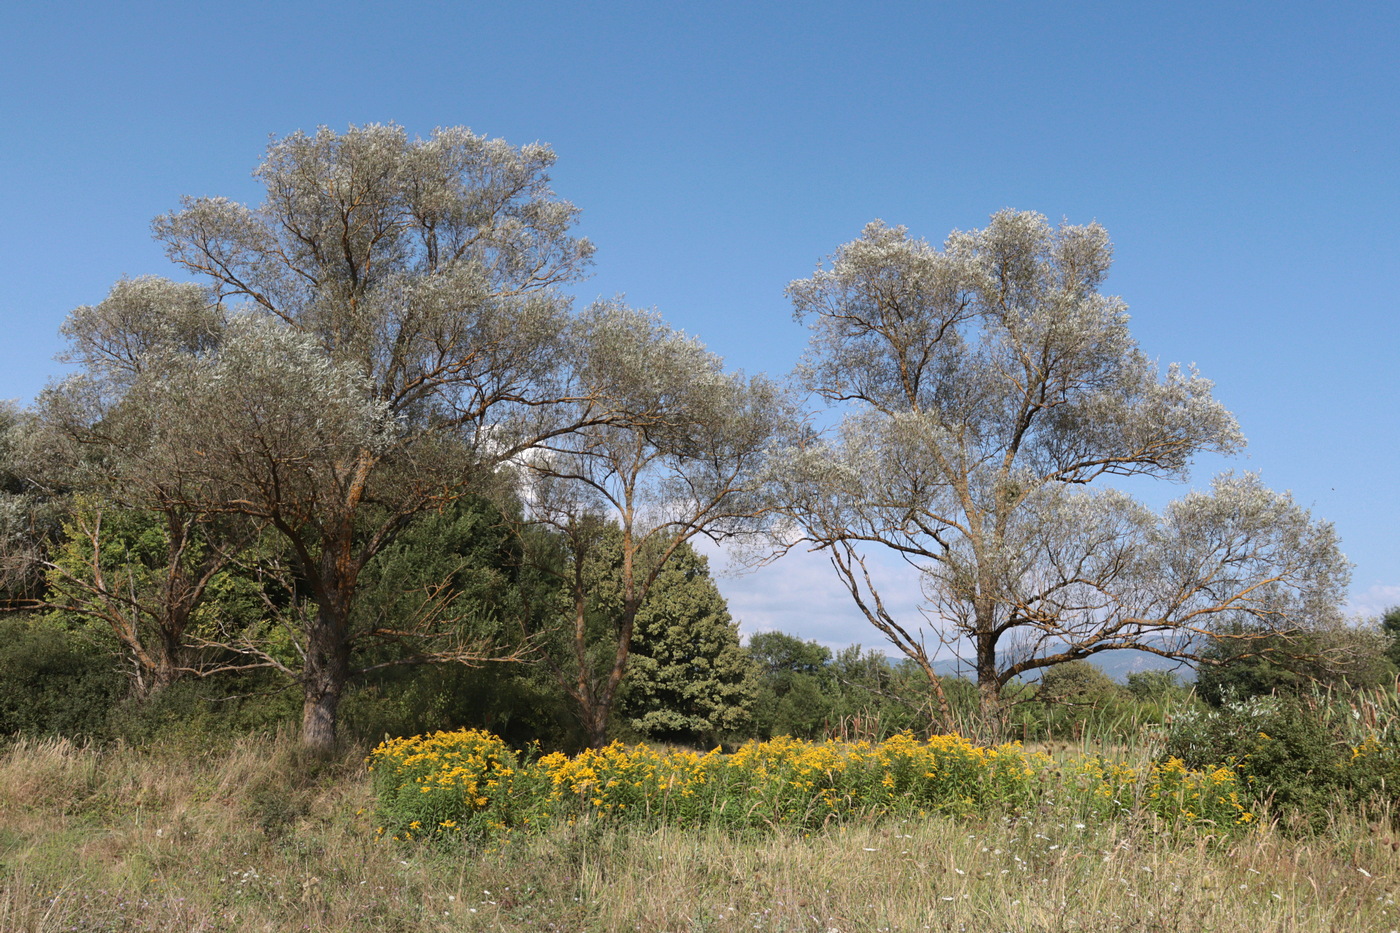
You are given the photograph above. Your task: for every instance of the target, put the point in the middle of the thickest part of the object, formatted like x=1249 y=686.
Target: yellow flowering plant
x=469 y=783
x=445 y=782
x=1166 y=790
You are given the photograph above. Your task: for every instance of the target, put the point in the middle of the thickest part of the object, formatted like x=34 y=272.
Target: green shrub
x=201 y=716
x=56 y=680
x=1303 y=755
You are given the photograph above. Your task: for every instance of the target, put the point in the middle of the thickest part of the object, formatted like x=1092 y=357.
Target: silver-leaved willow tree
x=377 y=338
x=985 y=391
x=683 y=455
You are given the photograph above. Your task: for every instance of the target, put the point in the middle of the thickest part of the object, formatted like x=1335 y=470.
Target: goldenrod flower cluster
x=469 y=782
x=441 y=782
x=790 y=781
x=1168 y=790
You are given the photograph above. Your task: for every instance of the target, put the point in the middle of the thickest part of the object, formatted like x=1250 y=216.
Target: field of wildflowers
x=469 y=782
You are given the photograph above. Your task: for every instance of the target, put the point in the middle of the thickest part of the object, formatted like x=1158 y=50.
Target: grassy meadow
x=256 y=836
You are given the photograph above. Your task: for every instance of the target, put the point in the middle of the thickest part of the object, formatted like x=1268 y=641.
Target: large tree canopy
x=983 y=388
x=375 y=339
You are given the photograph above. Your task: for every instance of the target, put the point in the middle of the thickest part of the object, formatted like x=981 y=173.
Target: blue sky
x=1241 y=155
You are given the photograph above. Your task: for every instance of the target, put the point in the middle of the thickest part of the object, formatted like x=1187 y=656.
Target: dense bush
x=519 y=702
x=207 y=715
x=56 y=679
x=1305 y=755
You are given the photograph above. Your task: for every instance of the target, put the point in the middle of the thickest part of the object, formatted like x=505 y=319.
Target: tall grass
x=261 y=838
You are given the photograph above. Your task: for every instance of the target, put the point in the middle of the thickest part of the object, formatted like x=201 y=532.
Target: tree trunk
x=596 y=724
x=327 y=670
x=990 y=711
x=165 y=674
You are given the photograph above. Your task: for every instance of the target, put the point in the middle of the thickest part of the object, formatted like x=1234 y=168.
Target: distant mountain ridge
x=1116 y=664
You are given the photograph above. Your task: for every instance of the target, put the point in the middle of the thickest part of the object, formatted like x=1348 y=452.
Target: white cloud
x=800 y=594
x=1373 y=602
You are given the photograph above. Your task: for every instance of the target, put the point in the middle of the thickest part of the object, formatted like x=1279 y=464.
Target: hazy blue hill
x=1116 y=664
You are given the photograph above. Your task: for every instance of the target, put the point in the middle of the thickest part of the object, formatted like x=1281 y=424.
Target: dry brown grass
x=261 y=838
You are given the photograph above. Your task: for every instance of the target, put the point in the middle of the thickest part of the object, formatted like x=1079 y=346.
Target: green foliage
x=454 y=576
x=877 y=698
x=688 y=679
x=1156 y=686
x=157 y=582
x=464 y=548
x=1390 y=629
x=1076 y=699
x=56 y=679
x=577 y=570
x=683 y=677
x=202 y=715
x=807 y=692
x=1247 y=662
x=1304 y=755
x=1075 y=682
x=796 y=687
x=519 y=702
x=31 y=513
x=450 y=579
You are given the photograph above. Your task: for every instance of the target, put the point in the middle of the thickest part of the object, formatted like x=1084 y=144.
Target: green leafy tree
x=1239 y=664
x=796 y=692
x=454 y=574
x=1077 y=696
x=1390 y=629
x=689 y=680
x=1075 y=682
x=451 y=575
x=876 y=697
x=31 y=512
x=162 y=582
x=808 y=692
x=987 y=387
x=1156 y=686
